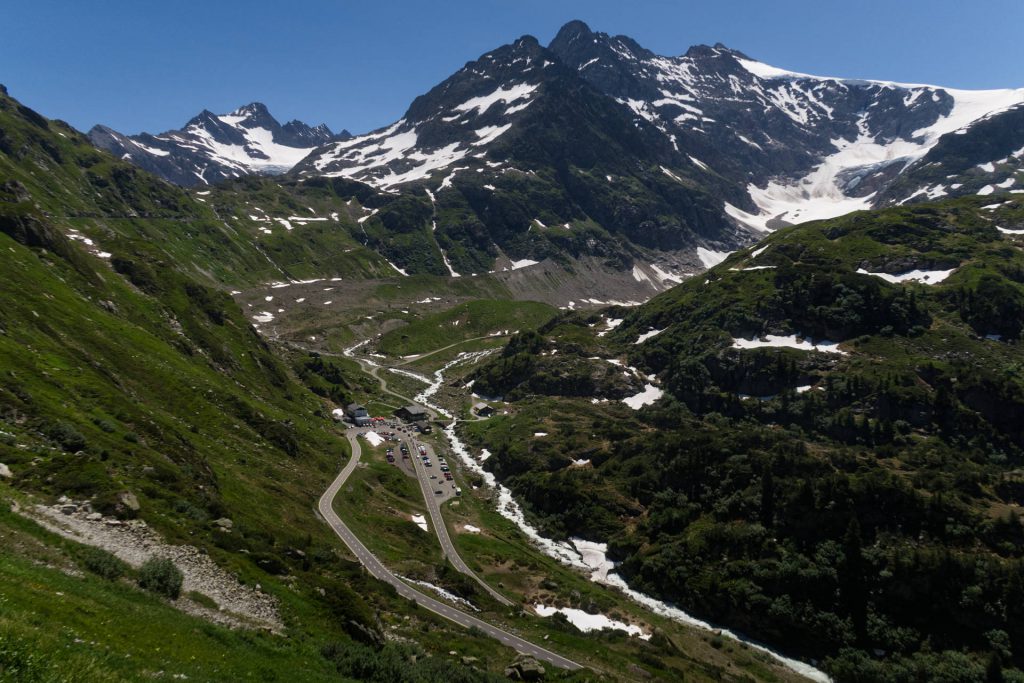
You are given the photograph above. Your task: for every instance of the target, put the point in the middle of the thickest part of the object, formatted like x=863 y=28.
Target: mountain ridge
x=755 y=146
x=210 y=148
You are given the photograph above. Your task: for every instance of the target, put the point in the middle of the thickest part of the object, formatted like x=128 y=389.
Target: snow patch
x=611 y=324
x=587 y=622
x=789 y=341
x=711 y=258
x=502 y=94
x=927 y=277
x=523 y=263
x=374 y=438
x=649 y=395
x=647 y=335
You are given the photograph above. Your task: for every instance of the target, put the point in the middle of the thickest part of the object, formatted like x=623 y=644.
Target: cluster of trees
x=829 y=303
x=820 y=551
x=994 y=307
x=867 y=520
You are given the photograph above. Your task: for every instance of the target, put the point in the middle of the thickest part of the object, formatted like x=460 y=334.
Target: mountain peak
x=570 y=32
x=196 y=153
x=713 y=51
x=252 y=109
x=202 y=119
x=703 y=51
x=527 y=41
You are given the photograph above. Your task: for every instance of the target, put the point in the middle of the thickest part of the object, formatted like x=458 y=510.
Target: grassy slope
x=128 y=374
x=331 y=243
x=112 y=630
x=468 y=320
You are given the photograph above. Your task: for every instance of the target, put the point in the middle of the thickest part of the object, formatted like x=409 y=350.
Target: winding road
x=440 y=529
x=379 y=571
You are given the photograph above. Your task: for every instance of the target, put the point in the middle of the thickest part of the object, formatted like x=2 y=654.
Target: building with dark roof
x=357 y=414
x=413 y=413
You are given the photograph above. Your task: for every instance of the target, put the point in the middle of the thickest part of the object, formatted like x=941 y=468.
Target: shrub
x=103 y=563
x=159 y=575
x=64 y=434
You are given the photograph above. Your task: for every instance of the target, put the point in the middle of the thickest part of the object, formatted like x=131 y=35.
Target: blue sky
x=151 y=65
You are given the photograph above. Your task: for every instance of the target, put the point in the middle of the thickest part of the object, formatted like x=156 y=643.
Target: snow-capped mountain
x=455 y=122
x=514 y=142
x=215 y=147
x=595 y=147
x=984 y=158
x=803 y=146
x=792 y=146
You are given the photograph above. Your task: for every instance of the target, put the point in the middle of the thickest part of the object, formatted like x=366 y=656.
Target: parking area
x=413 y=457
x=433 y=470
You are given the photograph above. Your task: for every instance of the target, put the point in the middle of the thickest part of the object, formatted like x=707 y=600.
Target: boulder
x=224 y=523
x=128 y=501
x=94 y=516
x=69 y=509
x=525 y=669
x=5 y=471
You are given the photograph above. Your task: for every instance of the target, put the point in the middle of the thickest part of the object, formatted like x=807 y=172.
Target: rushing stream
x=587 y=556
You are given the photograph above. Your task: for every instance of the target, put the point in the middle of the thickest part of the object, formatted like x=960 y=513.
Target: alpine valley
x=720 y=365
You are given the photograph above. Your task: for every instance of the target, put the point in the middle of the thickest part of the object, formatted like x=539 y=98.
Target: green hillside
x=132 y=383
x=859 y=503
x=479 y=318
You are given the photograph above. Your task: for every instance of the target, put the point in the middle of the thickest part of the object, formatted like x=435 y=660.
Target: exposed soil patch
x=239 y=606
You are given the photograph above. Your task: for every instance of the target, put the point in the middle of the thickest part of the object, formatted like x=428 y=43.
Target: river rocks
x=69 y=509
x=525 y=669
x=94 y=516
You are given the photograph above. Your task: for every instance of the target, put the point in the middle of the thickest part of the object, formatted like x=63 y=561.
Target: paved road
x=428 y=486
x=379 y=571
